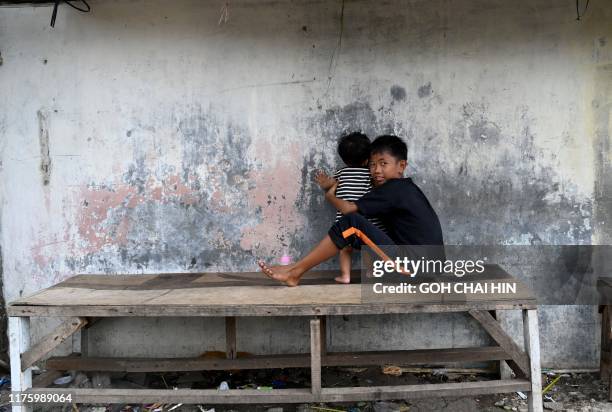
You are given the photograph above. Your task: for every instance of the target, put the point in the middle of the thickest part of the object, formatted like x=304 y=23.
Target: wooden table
x=604 y=285
x=83 y=299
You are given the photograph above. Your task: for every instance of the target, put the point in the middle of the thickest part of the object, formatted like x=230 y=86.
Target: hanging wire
x=224 y=13
x=86 y=9
x=578 y=14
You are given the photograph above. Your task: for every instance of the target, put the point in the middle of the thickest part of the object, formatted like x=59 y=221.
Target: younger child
x=354 y=181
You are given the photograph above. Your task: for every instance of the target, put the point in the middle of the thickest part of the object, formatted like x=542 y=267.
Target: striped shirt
x=353 y=183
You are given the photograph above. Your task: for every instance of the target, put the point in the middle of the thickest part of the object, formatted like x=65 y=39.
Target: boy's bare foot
x=285 y=274
x=343 y=279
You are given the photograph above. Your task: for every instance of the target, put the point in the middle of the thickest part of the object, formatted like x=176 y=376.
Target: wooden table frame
x=604 y=285
x=78 y=317
x=605 y=365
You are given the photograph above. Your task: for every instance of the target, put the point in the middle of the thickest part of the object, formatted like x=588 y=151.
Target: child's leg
x=345 y=265
x=291 y=274
x=327 y=248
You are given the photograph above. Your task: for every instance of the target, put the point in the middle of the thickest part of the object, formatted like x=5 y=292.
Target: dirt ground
x=571 y=392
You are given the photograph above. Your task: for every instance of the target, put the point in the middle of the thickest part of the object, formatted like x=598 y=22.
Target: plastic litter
x=322 y=409
x=264 y=388
x=63 y=380
x=550 y=385
x=224 y=386
x=522 y=395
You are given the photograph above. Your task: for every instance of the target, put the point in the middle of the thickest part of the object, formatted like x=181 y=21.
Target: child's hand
x=325 y=182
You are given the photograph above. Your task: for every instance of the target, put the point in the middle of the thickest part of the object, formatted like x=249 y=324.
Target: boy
x=353 y=181
x=402 y=207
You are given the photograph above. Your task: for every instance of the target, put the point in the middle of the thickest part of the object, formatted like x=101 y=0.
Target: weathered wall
x=146 y=137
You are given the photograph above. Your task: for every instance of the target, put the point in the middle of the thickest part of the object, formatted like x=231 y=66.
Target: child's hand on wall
x=325 y=182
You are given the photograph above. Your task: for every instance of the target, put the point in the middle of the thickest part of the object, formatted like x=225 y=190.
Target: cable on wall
x=578 y=14
x=85 y=9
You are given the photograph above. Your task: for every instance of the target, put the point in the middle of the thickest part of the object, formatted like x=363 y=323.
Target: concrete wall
x=145 y=137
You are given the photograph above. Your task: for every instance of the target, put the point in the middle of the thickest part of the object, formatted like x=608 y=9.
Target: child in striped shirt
x=354 y=181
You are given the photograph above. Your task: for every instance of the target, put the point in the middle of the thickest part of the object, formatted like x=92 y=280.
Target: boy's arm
x=343 y=206
x=324 y=181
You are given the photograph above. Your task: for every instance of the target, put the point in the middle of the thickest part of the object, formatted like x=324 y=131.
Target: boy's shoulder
x=404 y=183
x=402 y=188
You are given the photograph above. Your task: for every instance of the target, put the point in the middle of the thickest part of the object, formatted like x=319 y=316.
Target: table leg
x=323 y=335
x=315 y=357
x=505 y=371
x=230 y=337
x=605 y=365
x=19 y=342
x=84 y=349
x=532 y=346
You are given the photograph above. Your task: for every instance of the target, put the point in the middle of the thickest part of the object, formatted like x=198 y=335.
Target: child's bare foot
x=345 y=279
x=285 y=274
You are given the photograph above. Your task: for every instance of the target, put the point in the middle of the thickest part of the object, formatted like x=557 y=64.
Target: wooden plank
x=237 y=396
x=189 y=280
x=315 y=357
x=323 y=320
x=51 y=341
x=605 y=364
x=501 y=337
x=186 y=396
x=532 y=344
x=423 y=391
x=413 y=357
x=94 y=310
x=505 y=372
x=230 y=337
x=251 y=296
x=19 y=342
x=243 y=293
x=84 y=350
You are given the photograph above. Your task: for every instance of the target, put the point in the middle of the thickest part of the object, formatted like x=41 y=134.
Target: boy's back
x=405 y=211
x=353 y=184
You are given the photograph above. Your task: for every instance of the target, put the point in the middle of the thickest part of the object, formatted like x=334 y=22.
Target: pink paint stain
x=102 y=218
x=94 y=226
x=276 y=192
x=96 y=206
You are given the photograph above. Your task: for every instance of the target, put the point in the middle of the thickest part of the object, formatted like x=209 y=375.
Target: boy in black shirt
x=397 y=201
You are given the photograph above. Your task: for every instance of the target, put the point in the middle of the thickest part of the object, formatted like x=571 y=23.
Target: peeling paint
x=425 y=90
x=398 y=93
x=602 y=145
x=275 y=195
x=43 y=140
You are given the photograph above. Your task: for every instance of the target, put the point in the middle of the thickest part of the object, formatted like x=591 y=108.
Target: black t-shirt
x=405 y=211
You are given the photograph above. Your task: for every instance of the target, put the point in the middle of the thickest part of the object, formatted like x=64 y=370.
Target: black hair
x=390 y=144
x=354 y=149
